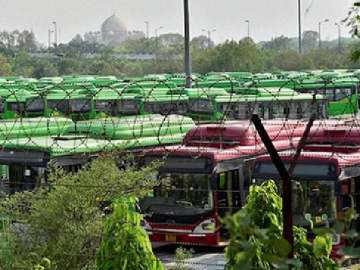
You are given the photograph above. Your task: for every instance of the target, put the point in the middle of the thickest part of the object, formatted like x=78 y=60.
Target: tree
x=256 y=240
x=23 y=64
x=280 y=43
x=244 y=55
x=310 y=39
x=5 y=66
x=64 y=223
x=125 y=244
x=201 y=43
x=43 y=68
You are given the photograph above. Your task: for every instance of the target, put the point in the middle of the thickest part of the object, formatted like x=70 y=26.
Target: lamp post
x=147 y=28
x=299 y=27
x=248 y=28
x=56 y=33
x=208 y=32
x=321 y=22
x=339 y=36
x=49 y=37
x=157 y=31
x=187 y=60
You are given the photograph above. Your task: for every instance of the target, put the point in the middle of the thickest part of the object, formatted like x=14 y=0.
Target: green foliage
x=125 y=244
x=5 y=66
x=181 y=255
x=64 y=223
x=256 y=237
x=85 y=56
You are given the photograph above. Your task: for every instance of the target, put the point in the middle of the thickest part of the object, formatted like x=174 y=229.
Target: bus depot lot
x=203 y=258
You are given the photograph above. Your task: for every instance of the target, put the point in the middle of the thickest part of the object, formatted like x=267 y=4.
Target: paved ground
x=202 y=258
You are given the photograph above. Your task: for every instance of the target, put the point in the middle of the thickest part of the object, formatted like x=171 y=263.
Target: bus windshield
x=181 y=195
x=80 y=105
x=315 y=199
x=34 y=105
x=186 y=190
x=201 y=106
x=128 y=107
x=105 y=106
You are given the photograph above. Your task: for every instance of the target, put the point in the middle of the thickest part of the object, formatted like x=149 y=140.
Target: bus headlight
x=207 y=226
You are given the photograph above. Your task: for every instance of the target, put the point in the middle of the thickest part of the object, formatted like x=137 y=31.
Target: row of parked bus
x=209 y=176
x=215 y=97
x=205 y=171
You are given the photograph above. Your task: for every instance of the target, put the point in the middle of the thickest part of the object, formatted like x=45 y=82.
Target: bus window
x=299 y=110
x=35 y=105
x=286 y=111
x=181 y=108
x=330 y=94
x=17 y=107
x=268 y=112
x=342 y=93
x=228 y=195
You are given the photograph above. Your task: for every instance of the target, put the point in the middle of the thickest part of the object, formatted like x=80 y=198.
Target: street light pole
x=324 y=21
x=339 y=36
x=55 y=30
x=248 y=28
x=299 y=26
x=208 y=32
x=157 y=31
x=187 y=44
x=49 y=38
x=147 y=29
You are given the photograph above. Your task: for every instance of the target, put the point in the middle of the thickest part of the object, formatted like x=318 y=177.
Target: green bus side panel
x=346 y=106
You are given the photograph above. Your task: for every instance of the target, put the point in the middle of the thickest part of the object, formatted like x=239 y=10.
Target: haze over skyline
x=268 y=18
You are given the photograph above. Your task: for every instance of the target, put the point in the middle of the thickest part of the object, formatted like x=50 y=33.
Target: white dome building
x=113 y=31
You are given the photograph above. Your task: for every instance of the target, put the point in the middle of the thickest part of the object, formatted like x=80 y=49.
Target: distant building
x=112 y=32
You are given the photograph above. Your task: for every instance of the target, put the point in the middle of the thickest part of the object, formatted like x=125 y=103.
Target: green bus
x=270 y=103
x=339 y=86
x=341 y=94
x=28 y=159
x=29 y=128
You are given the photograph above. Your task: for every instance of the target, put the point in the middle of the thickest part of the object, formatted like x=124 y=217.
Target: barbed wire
x=85 y=117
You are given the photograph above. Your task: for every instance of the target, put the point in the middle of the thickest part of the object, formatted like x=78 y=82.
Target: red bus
x=205 y=178
x=326 y=179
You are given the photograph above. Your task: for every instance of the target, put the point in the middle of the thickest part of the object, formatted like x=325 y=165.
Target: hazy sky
x=269 y=18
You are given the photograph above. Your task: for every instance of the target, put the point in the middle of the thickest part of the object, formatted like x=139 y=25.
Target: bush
x=64 y=224
x=256 y=237
x=125 y=244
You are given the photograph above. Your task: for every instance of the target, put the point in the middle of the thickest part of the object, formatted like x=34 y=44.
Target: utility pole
x=56 y=34
x=339 y=36
x=59 y=35
x=187 y=44
x=208 y=32
x=299 y=27
x=288 y=232
x=324 y=21
x=248 y=28
x=49 y=38
x=157 y=31
x=147 y=29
